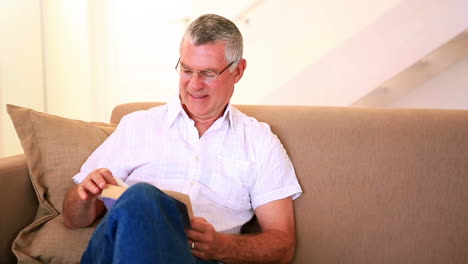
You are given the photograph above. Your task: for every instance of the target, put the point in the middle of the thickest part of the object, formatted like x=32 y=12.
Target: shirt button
x=195 y=157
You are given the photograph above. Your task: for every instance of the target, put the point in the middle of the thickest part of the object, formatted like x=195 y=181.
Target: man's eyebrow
x=182 y=64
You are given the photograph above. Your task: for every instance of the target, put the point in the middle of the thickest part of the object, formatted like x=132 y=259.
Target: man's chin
x=194 y=110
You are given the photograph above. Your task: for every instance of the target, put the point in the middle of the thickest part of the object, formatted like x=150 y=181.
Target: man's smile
x=199 y=96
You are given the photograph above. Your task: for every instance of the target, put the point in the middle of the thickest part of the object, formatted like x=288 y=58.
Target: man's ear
x=239 y=71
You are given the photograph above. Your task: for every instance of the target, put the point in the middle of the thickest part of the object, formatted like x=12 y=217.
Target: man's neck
x=203 y=125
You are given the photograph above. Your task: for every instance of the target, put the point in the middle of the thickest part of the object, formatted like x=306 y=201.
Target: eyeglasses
x=205 y=75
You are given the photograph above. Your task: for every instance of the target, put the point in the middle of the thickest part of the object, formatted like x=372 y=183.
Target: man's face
x=207 y=100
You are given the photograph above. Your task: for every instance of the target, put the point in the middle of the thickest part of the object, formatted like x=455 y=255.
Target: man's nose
x=196 y=82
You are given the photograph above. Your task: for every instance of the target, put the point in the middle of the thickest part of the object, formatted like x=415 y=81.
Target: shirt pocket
x=229 y=184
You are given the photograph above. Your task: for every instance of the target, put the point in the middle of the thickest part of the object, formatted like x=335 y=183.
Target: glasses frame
x=198 y=72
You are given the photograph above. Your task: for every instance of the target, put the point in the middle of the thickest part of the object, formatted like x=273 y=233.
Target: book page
x=184 y=198
x=112 y=191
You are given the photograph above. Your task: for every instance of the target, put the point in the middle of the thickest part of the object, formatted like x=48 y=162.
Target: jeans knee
x=142 y=187
x=142 y=192
x=140 y=196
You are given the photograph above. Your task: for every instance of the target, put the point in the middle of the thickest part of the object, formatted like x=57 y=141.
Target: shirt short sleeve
x=275 y=177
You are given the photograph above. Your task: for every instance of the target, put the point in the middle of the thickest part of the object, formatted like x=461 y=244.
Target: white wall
x=136 y=50
x=54 y=77
x=386 y=47
x=67 y=59
x=280 y=40
x=448 y=90
x=100 y=53
x=283 y=38
x=21 y=79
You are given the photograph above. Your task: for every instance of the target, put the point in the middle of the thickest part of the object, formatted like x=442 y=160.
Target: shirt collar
x=174 y=109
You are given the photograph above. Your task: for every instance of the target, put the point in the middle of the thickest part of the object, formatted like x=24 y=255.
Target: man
x=231 y=166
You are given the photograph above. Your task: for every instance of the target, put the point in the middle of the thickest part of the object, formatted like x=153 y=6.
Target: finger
x=196 y=246
x=101 y=177
x=199 y=219
x=107 y=174
x=99 y=181
x=82 y=193
x=191 y=243
x=200 y=225
x=197 y=253
x=201 y=254
x=196 y=236
x=91 y=186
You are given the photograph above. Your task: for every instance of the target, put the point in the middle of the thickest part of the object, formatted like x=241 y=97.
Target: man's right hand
x=94 y=183
x=81 y=206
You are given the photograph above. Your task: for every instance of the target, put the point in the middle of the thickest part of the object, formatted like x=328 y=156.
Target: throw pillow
x=55 y=148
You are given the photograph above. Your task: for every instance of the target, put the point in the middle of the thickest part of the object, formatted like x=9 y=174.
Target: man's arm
x=81 y=206
x=275 y=244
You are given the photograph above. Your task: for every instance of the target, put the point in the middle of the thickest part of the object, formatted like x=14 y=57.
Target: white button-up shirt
x=237 y=165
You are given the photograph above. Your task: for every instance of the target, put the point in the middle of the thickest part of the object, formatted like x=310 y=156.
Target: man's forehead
x=205 y=55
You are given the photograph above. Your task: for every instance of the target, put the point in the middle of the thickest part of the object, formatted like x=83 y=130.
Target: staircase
x=407 y=46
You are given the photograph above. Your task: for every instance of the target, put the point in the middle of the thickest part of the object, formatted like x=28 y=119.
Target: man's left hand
x=206 y=243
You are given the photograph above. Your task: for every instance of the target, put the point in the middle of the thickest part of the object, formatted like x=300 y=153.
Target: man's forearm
x=267 y=247
x=79 y=213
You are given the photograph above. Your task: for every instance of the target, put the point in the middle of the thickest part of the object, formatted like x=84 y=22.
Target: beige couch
x=380 y=185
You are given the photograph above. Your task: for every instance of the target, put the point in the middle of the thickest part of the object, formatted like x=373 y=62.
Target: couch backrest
x=380 y=185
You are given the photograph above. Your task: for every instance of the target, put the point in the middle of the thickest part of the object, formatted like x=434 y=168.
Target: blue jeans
x=144 y=226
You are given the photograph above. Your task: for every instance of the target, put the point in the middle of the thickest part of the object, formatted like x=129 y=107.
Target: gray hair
x=211 y=28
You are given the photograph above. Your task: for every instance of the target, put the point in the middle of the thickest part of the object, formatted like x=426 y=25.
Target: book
x=111 y=193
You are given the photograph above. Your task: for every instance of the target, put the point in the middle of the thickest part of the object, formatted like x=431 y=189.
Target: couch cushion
x=55 y=148
x=51 y=241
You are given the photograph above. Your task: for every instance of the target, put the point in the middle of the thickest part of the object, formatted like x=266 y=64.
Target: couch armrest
x=18 y=203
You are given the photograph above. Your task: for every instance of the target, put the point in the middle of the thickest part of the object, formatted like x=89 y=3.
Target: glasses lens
x=208 y=75
x=184 y=71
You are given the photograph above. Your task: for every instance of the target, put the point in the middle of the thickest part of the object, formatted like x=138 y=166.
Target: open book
x=111 y=193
